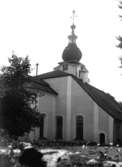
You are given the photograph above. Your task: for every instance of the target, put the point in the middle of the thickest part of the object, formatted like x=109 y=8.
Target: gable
x=59 y=85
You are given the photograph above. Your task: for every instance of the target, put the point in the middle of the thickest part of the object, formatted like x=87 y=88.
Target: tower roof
x=72 y=53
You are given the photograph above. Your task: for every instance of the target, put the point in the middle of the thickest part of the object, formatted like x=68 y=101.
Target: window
x=79 y=127
x=65 y=67
x=79 y=73
x=42 y=126
x=59 y=127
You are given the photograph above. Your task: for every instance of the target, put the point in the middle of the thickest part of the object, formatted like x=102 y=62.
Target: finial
x=72 y=37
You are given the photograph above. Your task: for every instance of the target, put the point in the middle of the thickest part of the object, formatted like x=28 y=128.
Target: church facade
x=76 y=110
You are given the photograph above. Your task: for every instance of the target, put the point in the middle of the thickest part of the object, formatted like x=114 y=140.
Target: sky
x=39 y=29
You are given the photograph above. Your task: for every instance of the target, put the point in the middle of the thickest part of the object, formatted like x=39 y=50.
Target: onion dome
x=72 y=53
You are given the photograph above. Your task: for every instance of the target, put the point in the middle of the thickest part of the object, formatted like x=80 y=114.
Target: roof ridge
x=53 y=74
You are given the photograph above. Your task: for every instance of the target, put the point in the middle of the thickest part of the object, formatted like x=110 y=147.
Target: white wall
x=60 y=86
x=47 y=106
x=106 y=125
x=96 y=120
x=71 y=101
x=82 y=104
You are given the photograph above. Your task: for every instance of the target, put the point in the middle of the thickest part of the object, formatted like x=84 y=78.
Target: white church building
x=71 y=108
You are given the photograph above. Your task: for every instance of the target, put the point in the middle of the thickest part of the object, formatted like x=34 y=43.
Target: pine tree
x=17 y=114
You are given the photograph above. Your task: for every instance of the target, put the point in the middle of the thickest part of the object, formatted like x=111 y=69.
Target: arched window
x=59 y=127
x=79 y=127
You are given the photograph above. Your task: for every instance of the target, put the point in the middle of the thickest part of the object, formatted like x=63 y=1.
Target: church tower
x=71 y=57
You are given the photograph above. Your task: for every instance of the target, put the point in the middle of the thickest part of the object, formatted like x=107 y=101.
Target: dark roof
x=102 y=99
x=52 y=74
x=40 y=85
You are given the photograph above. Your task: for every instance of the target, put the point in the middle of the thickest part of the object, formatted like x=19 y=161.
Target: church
x=71 y=108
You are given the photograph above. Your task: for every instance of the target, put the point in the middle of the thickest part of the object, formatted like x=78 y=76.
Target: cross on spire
x=73 y=16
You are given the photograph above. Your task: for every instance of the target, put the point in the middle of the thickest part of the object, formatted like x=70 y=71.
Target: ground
x=69 y=156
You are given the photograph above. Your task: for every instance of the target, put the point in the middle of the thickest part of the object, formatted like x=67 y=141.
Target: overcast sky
x=39 y=28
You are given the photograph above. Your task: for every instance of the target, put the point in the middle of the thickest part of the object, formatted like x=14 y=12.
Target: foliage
x=120 y=37
x=15 y=74
x=17 y=114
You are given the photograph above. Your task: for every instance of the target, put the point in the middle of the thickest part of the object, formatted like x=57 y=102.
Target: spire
x=72 y=37
x=72 y=53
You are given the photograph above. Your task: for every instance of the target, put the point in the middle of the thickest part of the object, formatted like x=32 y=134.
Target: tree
x=17 y=114
x=120 y=37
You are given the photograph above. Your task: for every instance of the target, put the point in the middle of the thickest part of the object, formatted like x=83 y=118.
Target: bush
x=92 y=143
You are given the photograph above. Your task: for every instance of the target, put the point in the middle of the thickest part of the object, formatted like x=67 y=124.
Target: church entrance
x=79 y=127
x=102 y=138
x=59 y=127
